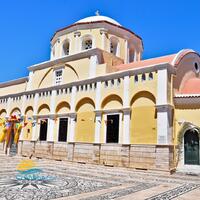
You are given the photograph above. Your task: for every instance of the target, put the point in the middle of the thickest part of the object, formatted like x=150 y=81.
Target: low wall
x=154 y=157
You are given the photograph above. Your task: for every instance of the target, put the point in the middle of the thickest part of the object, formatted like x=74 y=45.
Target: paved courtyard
x=65 y=180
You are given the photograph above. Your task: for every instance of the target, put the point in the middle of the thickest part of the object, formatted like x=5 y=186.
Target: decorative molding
x=164 y=107
x=109 y=76
x=77 y=34
x=103 y=31
x=14 y=82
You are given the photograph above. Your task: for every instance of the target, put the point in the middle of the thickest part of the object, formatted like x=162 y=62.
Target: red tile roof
x=148 y=62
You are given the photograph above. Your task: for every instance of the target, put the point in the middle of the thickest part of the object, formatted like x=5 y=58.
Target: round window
x=196 y=66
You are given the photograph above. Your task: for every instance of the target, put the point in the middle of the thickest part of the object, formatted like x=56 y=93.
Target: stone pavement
x=64 y=180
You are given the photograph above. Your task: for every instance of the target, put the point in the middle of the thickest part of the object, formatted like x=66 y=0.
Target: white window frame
x=120 y=126
x=55 y=77
x=58 y=126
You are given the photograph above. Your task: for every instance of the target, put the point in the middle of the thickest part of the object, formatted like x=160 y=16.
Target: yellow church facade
x=96 y=101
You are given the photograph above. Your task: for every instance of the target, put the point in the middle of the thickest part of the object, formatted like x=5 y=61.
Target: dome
x=98 y=18
x=192 y=86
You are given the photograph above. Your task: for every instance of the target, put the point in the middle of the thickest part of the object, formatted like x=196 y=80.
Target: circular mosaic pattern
x=47 y=188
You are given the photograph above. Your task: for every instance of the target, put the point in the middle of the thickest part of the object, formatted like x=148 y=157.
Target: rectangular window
x=63 y=125
x=112 y=135
x=43 y=129
x=58 y=77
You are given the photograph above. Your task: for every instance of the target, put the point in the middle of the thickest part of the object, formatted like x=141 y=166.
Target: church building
x=97 y=101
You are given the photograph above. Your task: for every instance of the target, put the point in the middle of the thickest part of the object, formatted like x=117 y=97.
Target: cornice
x=68 y=58
x=110 y=76
x=14 y=82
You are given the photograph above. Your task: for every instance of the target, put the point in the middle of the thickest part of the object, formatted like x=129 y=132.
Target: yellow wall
x=13 y=89
x=85 y=121
x=187 y=115
x=143 y=120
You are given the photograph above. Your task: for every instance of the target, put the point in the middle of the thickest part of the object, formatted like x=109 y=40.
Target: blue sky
x=28 y=25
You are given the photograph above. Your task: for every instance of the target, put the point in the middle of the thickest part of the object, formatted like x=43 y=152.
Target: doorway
x=191 y=147
x=112 y=131
x=62 y=134
x=43 y=129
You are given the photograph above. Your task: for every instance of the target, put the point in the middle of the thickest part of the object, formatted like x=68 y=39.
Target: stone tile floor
x=64 y=180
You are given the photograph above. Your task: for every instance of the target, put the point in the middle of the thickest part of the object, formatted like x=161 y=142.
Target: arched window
x=131 y=55
x=150 y=76
x=65 y=48
x=87 y=43
x=143 y=77
x=53 y=52
x=136 y=79
x=114 y=46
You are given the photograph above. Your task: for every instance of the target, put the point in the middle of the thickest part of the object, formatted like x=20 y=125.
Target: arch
x=69 y=66
x=43 y=109
x=83 y=101
x=179 y=56
x=87 y=42
x=184 y=62
x=112 y=101
x=66 y=47
x=114 y=46
x=143 y=118
x=144 y=94
x=44 y=77
x=3 y=113
x=63 y=107
x=29 y=111
x=15 y=111
x=191 y=147
x=85 y=121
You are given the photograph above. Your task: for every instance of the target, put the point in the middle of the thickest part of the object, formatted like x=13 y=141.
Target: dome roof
x=192 y=86
x=98 y=18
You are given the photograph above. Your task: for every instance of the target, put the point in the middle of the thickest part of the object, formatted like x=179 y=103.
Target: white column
x=23 y=105
x=162 y=87
x=98 y=114
x=93 y=66
x=135 y=56
x=8 y=106
x=22 y=114
x=103 y=38
x=126 y=125
x=50 y=133
x=71 y=137
x=30 y=78
x=164 y=126
x=163 y=109
x=126 y=59
x=118 y=50
x=139 y=56
x=77 y=42
x=35 y=106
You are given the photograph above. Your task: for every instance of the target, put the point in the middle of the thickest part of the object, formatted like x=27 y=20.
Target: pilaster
x=35 y=106
x=98 y=114
x=77 y=35
x=93 y=66
x=126 y=110
x=103 y=33
x=50 y=131
x=71 y=135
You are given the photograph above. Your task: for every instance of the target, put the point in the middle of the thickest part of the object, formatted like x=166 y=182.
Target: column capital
x=126 y=110
x=98 y=112
x=73 y=115
x=77 y=34
x=164 y=108
x=103 y=31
